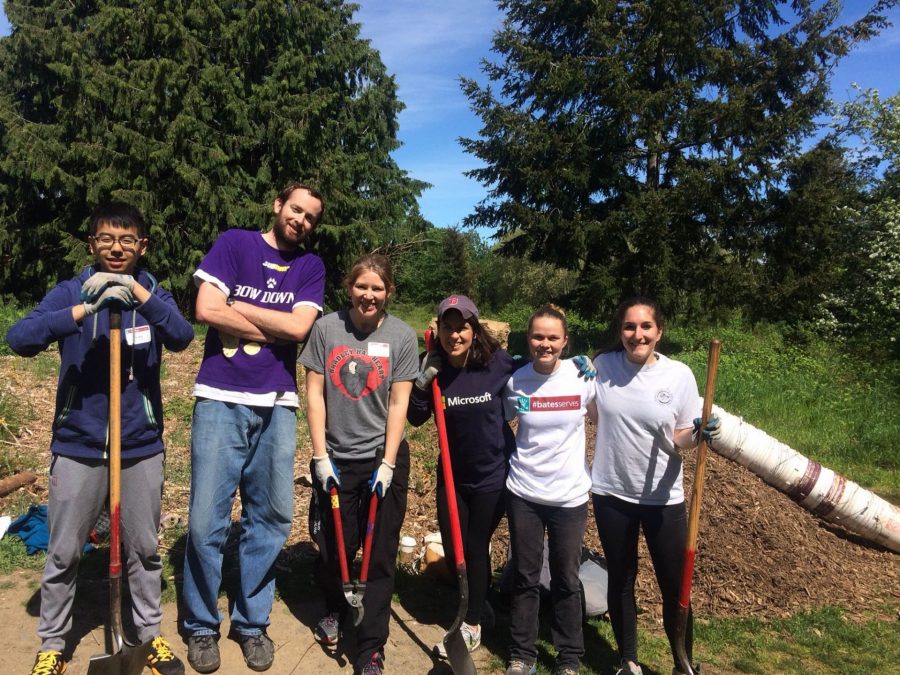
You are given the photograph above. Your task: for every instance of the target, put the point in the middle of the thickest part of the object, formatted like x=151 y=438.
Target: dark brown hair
x=615 y=338
x=483 y=343
x=371 y=262
x=288 y=190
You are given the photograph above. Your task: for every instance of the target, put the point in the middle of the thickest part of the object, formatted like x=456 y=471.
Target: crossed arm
x=250 y=322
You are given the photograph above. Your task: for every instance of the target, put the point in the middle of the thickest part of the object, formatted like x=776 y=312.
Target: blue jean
x=251 y=449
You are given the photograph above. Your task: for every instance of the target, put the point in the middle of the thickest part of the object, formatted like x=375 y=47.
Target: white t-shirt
x=639 y=408
x=549 y=464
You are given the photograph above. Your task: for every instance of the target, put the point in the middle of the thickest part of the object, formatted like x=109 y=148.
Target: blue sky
x=428 y=44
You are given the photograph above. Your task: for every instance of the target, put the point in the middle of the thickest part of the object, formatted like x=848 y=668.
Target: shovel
x=124 y=659
x=690 y=548
x=457 y=652
x=353 y=592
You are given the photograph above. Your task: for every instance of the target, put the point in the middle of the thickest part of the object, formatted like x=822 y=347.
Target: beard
x=287 y=236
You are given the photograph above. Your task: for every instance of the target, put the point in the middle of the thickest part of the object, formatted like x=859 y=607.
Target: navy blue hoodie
x=82 y=396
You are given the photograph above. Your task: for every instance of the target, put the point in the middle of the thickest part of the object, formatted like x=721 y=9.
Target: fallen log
x=16 y=481
x=818 y=489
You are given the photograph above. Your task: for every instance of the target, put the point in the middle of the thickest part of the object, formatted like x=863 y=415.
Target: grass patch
x=808 y=643
x=13 y=556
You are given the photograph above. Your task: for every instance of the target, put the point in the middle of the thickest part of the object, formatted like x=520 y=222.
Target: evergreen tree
x=636 y=141
x=196 y=112
x=812 y=236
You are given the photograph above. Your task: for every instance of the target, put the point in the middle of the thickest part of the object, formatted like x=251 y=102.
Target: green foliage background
x=196 y=112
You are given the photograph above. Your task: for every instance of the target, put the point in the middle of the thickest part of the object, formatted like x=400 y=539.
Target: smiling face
x=117 y=249
x=640 y=334
x=368 y=295
x=295 y=218
x=546 y=340
x=456 y=336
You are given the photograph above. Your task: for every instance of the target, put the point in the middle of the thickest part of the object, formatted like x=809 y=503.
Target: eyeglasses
x=105 y=241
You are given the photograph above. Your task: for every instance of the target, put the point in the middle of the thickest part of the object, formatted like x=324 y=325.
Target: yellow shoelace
x=49 y=663
x=162 y=652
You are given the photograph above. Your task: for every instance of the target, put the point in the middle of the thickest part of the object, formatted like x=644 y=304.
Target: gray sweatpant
x=78 y=491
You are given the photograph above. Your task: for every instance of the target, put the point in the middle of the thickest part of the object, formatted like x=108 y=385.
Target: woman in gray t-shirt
x=360 y=363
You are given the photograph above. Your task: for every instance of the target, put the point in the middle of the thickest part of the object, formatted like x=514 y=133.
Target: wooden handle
x=690 y=549
x=115 y=440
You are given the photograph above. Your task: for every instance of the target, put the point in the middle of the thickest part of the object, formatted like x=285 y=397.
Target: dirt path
x=408 y=649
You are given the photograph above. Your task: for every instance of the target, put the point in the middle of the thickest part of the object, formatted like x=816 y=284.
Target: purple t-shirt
x=244 y=266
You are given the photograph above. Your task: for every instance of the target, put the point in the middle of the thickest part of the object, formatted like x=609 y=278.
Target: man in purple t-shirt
x=259 y=294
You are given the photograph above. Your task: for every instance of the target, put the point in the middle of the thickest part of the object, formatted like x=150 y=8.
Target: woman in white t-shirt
x=646 y=404
x=547 y=491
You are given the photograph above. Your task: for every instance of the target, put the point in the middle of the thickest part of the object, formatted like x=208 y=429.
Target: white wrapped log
x=818 y=489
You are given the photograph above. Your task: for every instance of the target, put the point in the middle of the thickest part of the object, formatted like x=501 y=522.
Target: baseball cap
x=461 y=304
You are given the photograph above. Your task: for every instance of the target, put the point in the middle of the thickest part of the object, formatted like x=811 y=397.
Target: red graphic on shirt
x=355 y=373
x=542 y=403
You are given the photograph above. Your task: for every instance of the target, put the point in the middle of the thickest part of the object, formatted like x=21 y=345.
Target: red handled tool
x=123 y=659
x=457 y=652
x=690 y=548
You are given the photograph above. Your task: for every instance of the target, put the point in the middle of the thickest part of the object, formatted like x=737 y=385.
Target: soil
x=759 y=554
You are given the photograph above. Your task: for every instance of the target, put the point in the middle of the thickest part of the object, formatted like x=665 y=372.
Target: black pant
x=665 y=529
x=565 y=532
x=354 y=495
x=479 y=515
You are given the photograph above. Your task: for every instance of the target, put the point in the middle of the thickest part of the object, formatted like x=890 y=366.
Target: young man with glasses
x=71 y=315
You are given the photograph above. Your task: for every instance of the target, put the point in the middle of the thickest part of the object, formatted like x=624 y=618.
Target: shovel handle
x=690 y=548
x=115 y=440
x=446 y=466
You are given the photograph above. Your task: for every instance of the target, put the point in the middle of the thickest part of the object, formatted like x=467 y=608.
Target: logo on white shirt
x=526 y=404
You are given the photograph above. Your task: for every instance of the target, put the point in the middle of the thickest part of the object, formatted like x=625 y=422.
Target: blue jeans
x=252 y=449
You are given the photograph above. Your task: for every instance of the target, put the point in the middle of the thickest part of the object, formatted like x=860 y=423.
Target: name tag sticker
x=382 y=349
x=138 y=335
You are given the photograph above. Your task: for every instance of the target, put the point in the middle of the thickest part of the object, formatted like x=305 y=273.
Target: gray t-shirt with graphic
x=359 y=369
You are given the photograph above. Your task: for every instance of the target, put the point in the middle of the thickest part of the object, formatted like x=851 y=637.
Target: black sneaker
x=375 y=666
x=203 y=653
x=258 y=650
x=162 y=660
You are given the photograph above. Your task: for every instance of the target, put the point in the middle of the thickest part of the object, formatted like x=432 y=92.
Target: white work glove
x=381 y=478
x=100 y=281
x=431 y=366
x=118 y=295
x=327 y=472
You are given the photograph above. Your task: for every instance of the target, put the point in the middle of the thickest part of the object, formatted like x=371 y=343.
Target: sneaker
x=517 y=667
x=49 y=663
x=471 y=636
x=566 y=670
x=696 y=668
x=162 y=660
x=258 y=651
x=627 y=669
x=203 y=653
x=375 y=666
x=328 y=629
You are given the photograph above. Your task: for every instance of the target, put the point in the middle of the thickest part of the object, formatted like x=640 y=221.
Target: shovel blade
x=458 y=654
x=129 y=661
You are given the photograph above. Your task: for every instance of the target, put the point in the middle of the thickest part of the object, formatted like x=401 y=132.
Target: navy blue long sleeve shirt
x=82 y=396
x=479 y=436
